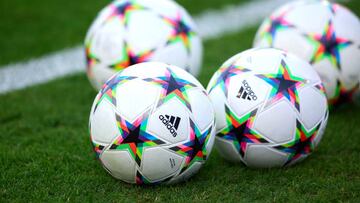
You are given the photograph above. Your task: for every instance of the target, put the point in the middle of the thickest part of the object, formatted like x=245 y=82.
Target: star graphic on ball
x=130 y=57
x=173 y=86
x=274 y=24
x=328 y=46
x=284 y=85
x=123 y=10
x=181 y=32
x=239 y=131
x=108 y=90
x=302 y=145
x=343 y=95
x=226 y=73
x=133 y=137
x=91 y=59
x=194 y=149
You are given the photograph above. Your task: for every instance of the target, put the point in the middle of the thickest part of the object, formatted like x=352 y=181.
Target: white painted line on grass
x=41 y=70
x=212 y=24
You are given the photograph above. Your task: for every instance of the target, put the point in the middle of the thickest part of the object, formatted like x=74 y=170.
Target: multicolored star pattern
x=328 y=46
x=239 y=130
x=194 y=150
x=124 y=10
x=108 y=90
x=273 y=25
x=182 y=32
x=133 y=137
x=226 y=73
x=302 y=145
x=130 y=57
x=91 y=59
x=285 y=85
x=172 y=86
x=98 y=148
x=342 y=95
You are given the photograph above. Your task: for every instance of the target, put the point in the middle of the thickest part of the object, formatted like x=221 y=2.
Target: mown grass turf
x=30 y=29
x=45 y=152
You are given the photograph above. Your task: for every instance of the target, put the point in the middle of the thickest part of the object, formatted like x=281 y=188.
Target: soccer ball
x=270 y=106
x=127 y=32
x=325 y=34
x=152 y=123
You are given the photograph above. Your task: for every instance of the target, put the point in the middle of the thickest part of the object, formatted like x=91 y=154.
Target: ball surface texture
x=127 y=32
x=325 y=34
x=152 y=123
x=270 y=106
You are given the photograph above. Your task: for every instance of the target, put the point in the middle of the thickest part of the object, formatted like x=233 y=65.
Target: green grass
x=46 y=155
x=31 y=29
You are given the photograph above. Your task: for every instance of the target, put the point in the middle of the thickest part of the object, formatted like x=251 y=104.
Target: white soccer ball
x=127 y=32
x=152 y=123
x=271 y=109
x=325 y=34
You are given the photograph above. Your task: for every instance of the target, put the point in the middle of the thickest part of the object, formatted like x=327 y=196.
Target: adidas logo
x=171 y=123
x=246 y=92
